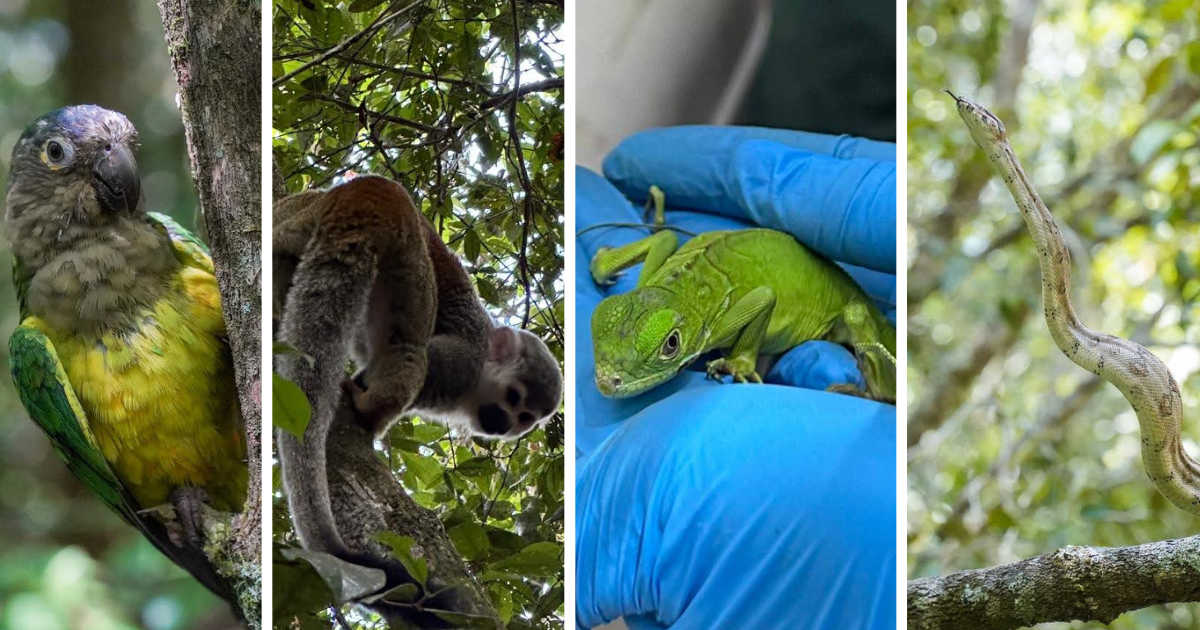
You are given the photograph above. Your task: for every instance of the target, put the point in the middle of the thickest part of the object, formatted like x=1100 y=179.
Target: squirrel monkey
x=359 y=271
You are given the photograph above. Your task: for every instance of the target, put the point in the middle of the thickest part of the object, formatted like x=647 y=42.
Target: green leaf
x=552 y=478
x=346 y=581
x=470 y=539
x=298 y=589
x=401 y=547
x=427 y=470
x=1151 y=139
x=1159 y=76
x=541 y=559
x=290 y=410
x=480 y=466
x=471 y=246
x=502 y=599
x=429 y=432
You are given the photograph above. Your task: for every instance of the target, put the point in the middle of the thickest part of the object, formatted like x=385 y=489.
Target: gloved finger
x=842 y=208
x=670 y=507
x=816 y=365
x=717 y=139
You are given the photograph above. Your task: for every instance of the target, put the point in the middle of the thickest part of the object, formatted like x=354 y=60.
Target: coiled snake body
x=1140 y=376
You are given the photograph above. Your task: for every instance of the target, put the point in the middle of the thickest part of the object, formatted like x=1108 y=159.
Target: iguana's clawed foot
x=189 y=510
x=742 y=370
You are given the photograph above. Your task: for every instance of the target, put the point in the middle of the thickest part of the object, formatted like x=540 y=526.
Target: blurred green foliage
x=419 y=92
x=65 y=560
x=1101 y=103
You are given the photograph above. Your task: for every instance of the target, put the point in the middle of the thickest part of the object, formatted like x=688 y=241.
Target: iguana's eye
x=670 y=347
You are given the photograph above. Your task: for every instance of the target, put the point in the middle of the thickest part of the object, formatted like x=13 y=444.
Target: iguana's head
x=641 y=340
x=74 y=165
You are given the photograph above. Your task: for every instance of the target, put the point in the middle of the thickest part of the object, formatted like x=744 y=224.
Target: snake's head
x=986 y=129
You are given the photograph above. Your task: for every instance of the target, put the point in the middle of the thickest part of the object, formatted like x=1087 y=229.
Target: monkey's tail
x=324 y=308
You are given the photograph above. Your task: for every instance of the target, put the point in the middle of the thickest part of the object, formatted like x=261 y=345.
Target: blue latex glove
x=705 y=505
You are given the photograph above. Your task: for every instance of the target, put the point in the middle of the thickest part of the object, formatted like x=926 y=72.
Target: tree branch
x=1084 y=583
x=215 y=50
x=383 y=21
x=366 y=497
x=518 y=156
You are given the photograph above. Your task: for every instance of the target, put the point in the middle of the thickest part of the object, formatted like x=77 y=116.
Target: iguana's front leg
x=654 y=250
x=876 y=363
x=747 y=319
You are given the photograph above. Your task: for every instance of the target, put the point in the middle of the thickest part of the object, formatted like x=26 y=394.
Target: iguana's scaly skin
x=752 y=292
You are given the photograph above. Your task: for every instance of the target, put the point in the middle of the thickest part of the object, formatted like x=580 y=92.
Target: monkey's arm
x=294 y=219
x=455 y=359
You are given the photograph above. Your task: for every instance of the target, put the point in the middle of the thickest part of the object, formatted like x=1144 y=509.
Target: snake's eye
x=670 y=347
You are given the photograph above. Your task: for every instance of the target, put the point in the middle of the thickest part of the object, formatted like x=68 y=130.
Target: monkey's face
x=507 y=411
x=520 y=387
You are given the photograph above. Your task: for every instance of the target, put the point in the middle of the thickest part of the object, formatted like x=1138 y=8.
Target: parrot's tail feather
x=190 y=559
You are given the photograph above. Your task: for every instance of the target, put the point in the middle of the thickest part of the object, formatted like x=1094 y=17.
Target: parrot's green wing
x=189 y=249
x=51 y=402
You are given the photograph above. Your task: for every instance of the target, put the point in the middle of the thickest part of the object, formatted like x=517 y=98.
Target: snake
x=1140 y=376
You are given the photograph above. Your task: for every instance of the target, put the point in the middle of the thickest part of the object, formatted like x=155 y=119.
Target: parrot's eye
x=670 y=347
x=57 y=152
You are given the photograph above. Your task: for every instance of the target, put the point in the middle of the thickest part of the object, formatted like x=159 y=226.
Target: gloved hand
x=705 y=505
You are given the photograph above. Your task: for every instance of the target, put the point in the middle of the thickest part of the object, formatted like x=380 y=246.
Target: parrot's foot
x=189 y=510
x=599 y=276
x=741 y=369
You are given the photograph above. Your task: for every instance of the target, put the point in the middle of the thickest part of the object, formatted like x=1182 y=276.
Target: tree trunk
x=1084 y=583
x=367 y=498
x=215 y=51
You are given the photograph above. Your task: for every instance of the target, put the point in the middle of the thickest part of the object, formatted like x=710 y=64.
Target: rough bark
x=367 y=498
x=1084 y=583
x=215 y=51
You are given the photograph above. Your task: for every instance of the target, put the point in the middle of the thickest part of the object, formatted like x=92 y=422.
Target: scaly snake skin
x=1142 y=377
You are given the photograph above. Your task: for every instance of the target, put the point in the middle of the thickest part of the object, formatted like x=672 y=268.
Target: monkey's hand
x=373 y=412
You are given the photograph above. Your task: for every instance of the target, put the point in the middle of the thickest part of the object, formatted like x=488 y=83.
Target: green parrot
x=121 y=356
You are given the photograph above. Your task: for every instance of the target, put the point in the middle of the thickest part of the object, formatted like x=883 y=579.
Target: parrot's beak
x=118 y=185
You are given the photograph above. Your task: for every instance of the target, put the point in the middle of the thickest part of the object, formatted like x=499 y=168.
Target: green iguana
x=752 y=292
